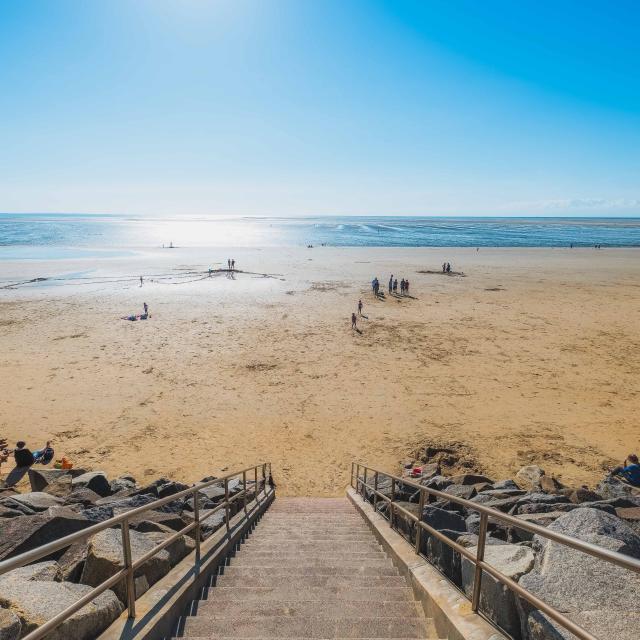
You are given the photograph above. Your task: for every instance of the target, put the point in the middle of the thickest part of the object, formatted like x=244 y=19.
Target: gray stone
x=505 y=484
x=35 y=501
x=120 y=505
x=8 y=512
x=171 y=488
x=94 y=480
x=470 y=479
x=98 y=513
x=471 y=540
x=41 y=478
x=212 y=523
x=47 y=571
x=178 y=549
x=586 y=589
x=104 y=558
x=529 y=478
x=547 y=508
x=461 y=491
x=82 y=496
x=72 y=561
x=145 y=521
x=497 y=601
x=18 y=535
x=609 y=487
x=443 y=519
x=581 y=494
x=549 y=484
x=10 y=627
x=430 y=470
x=515 y=534
x=439 y=483
x=123 y=483
x=36 y=602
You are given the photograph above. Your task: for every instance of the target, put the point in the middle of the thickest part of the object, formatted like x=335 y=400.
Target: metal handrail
x=123 y=519
x=360 y=485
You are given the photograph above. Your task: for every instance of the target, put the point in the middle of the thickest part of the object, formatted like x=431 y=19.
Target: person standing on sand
x=141 y=280
x=444 y=267
x=146 y=308
x=359 y=307
x=402 y=286
x=233 y=265
x=354 y=321
x=406 y=287
x=448 y=267
x=228 y=264
x=395 y=285
x=391 y=283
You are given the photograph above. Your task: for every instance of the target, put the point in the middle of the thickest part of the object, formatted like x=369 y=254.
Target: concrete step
x=254 y=571
x=233 y=580
x=316 y=557
x=310 y=608
x=305 y=560
x=342 y=593
x=308 y=627
x=320 y=545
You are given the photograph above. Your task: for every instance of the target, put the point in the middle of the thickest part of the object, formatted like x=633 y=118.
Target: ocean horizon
x=50 y=236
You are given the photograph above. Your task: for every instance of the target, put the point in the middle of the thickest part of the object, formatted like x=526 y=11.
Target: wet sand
x=533 y=356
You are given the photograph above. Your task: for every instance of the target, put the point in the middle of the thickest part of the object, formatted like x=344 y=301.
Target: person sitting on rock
x=629 y=471
x=24 y=461
x=44 y=456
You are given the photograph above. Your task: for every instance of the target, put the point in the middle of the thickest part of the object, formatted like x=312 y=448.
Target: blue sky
x=295 y=107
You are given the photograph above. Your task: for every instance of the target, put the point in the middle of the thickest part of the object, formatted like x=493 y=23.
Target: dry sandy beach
x=534 y=355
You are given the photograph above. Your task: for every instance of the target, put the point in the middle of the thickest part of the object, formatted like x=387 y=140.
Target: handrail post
x=255 y=484
x=244 y=493
x=477 y=580
x=364 y=486
x=419 y=527
x=351 y=478
x=358 y=478
x=393 y=492
x=375 y=492
x=226 y=504
x=264 y=479
x=128 y=563
x=196 y=517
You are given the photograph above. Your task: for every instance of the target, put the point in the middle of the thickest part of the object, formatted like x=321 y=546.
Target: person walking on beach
x=402 y=286
x=391 y=283
x=24 y=461
x=233 y=265
x=406 y=287
x=354 y=321
x=141 y=280
x=146 y=308
x=444 y=267
x=448 y=267
x=228 y=264
x=359 y=307
x=395 y=285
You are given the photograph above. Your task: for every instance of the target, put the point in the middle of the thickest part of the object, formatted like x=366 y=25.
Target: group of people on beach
x=393 y=286
x=231 y=264
x=24 y=459
x=446 y=267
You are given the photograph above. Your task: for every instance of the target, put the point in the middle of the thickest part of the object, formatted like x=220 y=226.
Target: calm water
x=45 y=236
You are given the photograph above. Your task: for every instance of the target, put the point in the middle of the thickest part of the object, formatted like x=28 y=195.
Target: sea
x=52 y=236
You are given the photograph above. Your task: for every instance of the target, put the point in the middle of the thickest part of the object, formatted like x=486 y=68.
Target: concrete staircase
x=311 y=569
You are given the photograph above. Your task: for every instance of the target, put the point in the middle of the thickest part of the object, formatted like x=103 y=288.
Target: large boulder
x=123 y=483
x=443 y=519
x=18 y=535
x=497 y=601
x=41 y=478
x=594 y=593
x=150 y=520
x=470 y=479
x=105 y=557
x=95 y=480
x=72 y=561
x=461 y=491
x=82 y=496
x=611 y=487
x=178 y=549
x=34 y=501
x=529 y=478
x=10 y=627
x=47 y=571
x=35 y=602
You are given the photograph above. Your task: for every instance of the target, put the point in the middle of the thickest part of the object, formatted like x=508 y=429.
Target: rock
x=441 y=555
x=538 y=499
x=472 y=522
x=123 y=483
x=506 y=484
x=629 y=513
x=430 y=470
x=35 y=602
x=515 y=534
x=47 y=571
x=549 y=484
x=98 y=513
x=10 y=627
x=609 y=487
x=469 y=479
x=547 y=508
x=104 y=558
x=497 y=601
x=120 y=505
x=172 y=488
x=18 y=535
x=41 y=478
x=581 y=494
x=439 y=483
x=146 y=522
x=8 y=512
x=178 y=549
x=34 y=501
x=210 y=525
x=441 y=519
x=94 y=480
x=72 y=561
x=461 y=491
x=500 y=494
x=471 y=540
x=82 y=496
x=529 y=478
x=504 y=504
x=586 y=589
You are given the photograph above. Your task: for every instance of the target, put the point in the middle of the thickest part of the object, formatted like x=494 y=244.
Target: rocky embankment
x=64 y=502
x=599 y=596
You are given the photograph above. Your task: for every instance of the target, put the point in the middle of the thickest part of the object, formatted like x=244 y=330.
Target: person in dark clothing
x=402 y=286
x=391 y=283
x=448 y=267
x=359 y=307
x=406 y=287
x=24 y=461
x=395 y=285
x=354 y=320
x=630 y=470
x=233 y=265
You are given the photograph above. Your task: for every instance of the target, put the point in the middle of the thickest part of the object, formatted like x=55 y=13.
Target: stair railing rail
x=257 y=487
x=366 y=479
